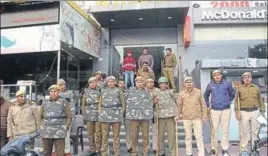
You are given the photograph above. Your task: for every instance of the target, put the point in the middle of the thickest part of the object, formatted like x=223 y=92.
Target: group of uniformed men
x=106 y=105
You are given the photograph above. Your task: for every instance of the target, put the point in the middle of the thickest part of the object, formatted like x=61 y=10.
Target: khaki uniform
x=22 y=120
x=192 y=107
x=111 y=110
x=139 y=109
x=90 y=112
x=250 y=105
x=169 y=64
x=4 y=108
x=167 y=110
x=55 y=119
x=145 y=75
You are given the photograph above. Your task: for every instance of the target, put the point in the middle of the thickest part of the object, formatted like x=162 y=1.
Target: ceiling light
x=169 y=17
x=255 y=71
x=112 y=20
x=224 y=72
x=140 y=18
x=90 y=58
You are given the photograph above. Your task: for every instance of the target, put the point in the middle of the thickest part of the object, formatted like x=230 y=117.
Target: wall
x=144 y=36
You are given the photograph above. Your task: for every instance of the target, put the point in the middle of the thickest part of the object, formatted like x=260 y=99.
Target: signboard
x=230 y=15
x=77 y=31
x=33 y=17
x=30 y=39
x=229 y=4
x=234 y=63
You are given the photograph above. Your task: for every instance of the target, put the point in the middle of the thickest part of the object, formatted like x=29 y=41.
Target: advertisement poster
x=77 y=31
x=30 y=39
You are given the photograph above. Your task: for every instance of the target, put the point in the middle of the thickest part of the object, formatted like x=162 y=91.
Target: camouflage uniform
x=111 y=109
x=167 y=110
x=139 y=109
x=90 y=113
x=55 y=118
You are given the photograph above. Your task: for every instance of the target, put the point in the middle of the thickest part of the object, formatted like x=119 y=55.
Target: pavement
x=233 y=150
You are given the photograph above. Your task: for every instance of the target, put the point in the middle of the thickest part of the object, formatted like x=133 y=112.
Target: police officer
x=90 y=105
x=127 y=123
x=139 y=110
x=111 y=110
x=153 y=91
x=23 y=111
x=100 y=82
x=251 y=107
x=193 y=111
x=167 y=111
x=55 y=118
x=63 y=93
x=145 y=72
x=169 y=63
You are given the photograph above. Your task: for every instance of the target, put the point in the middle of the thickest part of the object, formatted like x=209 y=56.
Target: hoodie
x=129 y=64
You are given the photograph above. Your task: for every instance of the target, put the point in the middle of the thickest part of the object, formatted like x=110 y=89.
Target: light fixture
x=255 y=71
x=112 y=20
x=224 y=72
x=169 y=17
x=140 y=18
x=90 y=58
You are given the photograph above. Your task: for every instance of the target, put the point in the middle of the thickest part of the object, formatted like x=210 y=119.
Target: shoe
x=129 y=150
x=225 y=153
x=212 y=152
x=68 y=154
x=154 y=151
x=244 y=153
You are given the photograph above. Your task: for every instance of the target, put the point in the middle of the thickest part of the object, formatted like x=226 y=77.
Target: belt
x=249 y=109
x=168 y=66
x=55 y=117
x=112 y=105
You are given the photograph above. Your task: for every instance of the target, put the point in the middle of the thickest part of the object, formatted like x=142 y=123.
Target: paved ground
x=233 y=151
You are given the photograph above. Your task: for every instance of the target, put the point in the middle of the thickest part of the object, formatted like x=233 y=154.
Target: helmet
x=162 y=80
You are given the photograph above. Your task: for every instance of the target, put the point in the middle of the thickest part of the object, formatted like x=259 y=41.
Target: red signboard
x=187 y=32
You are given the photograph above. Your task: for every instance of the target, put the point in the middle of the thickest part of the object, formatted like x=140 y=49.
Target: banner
x=30 y=39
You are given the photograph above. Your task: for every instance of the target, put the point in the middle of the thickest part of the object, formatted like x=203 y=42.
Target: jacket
x=191 y=104
x=129 y=64
x=22 y=120
x=221 y=94
x=145 y=75
x=4 y=106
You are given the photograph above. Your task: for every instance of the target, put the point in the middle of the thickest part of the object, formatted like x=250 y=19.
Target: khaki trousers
x=94 y=135
x=105 y=136
x=169 y=74
x=48 y=146
x=67 y=142
x=221 y=117
x=154 y=137
x=249 y=119
x=197 y=126
x=127 y=124
x=167 y=124
x=136 y=125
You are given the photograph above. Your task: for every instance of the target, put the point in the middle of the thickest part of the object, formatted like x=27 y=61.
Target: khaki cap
x=149 y=80
x=188 y=78
x=139 y=78
x=246 y=74
x=92 y=79
x=97 y=72
x=216 y=71
x=20 y=92
x=53 y=87
x=110 y=78
x=61 y=82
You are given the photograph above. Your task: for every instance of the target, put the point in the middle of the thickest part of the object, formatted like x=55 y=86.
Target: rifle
x=212 y=133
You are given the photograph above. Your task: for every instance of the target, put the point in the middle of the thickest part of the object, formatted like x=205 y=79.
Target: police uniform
x=111 y=110
x=18 y=115
x=55 y=120
x=153 y=91
x=193 y=110
x=65 y=95
x=167 y=110
x=251 y=104
x=139 y=109
x=90 y=105
x=169 y=64
x=146 y=75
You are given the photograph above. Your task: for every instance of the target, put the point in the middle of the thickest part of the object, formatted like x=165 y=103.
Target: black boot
x=212 y=152
x=129 y=150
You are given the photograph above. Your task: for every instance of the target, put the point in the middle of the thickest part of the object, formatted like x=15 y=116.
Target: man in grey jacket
x=145 y=57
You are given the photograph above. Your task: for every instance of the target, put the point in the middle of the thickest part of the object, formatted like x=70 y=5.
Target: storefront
x=46 y=41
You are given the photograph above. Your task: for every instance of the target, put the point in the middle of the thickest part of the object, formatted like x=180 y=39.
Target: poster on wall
x=30 y=39
x=77 y=31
